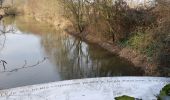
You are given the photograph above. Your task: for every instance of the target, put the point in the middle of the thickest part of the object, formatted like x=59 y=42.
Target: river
x=34 y=53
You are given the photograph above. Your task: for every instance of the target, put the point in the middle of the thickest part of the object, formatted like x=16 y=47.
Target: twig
x=24 y=66
x=3 y=63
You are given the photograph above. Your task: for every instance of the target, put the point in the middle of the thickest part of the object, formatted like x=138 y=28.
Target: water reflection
x=68 y=57
x=4 y=29
x=76 y=59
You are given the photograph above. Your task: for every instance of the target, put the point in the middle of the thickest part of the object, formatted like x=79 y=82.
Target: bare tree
x=77 y=10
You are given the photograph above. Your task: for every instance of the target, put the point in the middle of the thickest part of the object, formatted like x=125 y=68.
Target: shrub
x=11 y=11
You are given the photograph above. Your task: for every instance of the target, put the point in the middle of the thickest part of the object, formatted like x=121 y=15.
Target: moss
x=124 y=98
x=165 y=92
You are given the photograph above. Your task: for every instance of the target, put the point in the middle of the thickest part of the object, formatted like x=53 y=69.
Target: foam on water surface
x=145 y=88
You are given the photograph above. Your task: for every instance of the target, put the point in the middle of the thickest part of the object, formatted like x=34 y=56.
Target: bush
x=11 y=11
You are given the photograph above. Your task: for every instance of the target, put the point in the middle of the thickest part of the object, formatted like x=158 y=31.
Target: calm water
x=36 y=53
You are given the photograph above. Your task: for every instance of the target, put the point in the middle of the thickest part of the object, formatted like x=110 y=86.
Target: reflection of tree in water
x=24 y=66
x=75 y=59
x=4 y=29
x=8 y=26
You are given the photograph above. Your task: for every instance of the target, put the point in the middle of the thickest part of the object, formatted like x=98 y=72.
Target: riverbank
x=140 y=42
x=131 y=55
x=139 y=60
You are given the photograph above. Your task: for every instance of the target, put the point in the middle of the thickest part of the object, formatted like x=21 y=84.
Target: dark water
x=36 y=53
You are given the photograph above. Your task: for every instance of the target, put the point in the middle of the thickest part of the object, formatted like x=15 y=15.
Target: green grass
x=124 y=98
x=141 y=42
x=136 y=41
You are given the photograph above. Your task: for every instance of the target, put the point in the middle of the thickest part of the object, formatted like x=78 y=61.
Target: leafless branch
x=24 y=66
